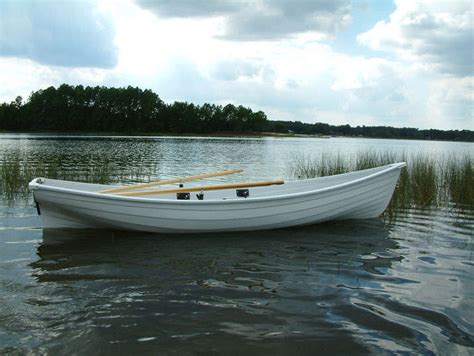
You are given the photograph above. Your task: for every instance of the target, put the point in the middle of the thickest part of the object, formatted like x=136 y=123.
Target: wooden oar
x=204 y=187
x=171 y=181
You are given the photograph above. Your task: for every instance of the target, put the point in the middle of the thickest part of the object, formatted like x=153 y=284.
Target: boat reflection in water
x=344 y=286
x=264 y=287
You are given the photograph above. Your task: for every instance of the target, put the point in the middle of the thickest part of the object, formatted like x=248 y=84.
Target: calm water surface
x=373 y=286
x=172 y=157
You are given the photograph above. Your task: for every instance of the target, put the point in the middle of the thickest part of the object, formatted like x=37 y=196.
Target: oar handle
x=204 y=187
x=172 y=181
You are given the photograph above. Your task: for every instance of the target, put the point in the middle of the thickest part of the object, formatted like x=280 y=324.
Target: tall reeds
x=17 y=170
x=425 y=182
x=326 y=165
x=459 y=180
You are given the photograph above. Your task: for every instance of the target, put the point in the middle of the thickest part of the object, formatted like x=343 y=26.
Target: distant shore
x=171 y=134
x=133 y=111
x=214 y=134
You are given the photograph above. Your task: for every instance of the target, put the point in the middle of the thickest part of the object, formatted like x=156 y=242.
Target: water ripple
x=347 y=287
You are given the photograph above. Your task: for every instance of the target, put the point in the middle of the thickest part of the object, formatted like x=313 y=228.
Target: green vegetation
x=127 y=110
x=425 y=182
x=16 y=171
x=459 y=178
x=408 y=133
x=136 y=111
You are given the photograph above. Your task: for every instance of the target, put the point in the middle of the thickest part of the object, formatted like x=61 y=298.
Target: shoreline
x=213 y=134
x=183 y=134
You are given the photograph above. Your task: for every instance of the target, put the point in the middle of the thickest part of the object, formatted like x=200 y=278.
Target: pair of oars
x=125 y=191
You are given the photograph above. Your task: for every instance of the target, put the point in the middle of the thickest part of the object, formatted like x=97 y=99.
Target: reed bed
x=425 y=182
x=459 y=178
x=17 y=170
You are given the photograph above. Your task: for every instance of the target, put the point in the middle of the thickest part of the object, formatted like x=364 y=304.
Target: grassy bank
x=425 y=181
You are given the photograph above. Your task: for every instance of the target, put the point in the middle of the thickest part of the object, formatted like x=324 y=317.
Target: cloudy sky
x=364 y=62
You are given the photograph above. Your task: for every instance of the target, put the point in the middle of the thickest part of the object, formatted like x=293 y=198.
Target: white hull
x=356 y=195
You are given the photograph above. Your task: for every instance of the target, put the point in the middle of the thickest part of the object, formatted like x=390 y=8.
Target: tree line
x=133 y=110
x=125 y=110
x=372 y=131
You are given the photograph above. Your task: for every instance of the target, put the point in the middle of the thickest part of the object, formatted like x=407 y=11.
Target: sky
x=362 y=62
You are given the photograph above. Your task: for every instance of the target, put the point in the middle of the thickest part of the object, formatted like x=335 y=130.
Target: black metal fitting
x=242 y=193
x=183 y=196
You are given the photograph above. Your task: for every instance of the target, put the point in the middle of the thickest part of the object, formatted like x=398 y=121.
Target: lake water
x=372 y=286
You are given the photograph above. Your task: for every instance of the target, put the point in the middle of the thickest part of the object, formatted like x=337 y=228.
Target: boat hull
x=360 y=199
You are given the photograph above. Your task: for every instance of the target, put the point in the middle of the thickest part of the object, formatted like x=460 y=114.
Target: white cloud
x=58 y=33
x=260 y=19
x=233 y=69
x=359 y=72
x=438 y=35
x=451 y=102
x=22 y=76
x=434 y=42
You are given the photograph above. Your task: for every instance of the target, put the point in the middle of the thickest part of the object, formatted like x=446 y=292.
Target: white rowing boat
x=223 y=207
